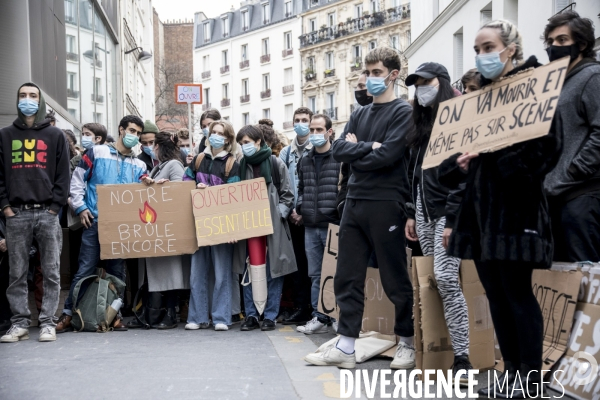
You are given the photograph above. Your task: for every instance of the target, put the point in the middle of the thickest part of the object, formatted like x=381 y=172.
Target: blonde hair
x=509 y=34
x=231 y=146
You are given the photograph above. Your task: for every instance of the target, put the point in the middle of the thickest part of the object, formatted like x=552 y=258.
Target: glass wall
x=91 y=66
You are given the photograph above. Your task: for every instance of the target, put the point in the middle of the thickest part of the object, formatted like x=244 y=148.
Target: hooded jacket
x=578 y=120
x=34 y=162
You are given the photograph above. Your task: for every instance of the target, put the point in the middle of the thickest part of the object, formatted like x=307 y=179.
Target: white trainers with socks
x=15 y=334
x=332 y=356
x=313 y=326
x=221 y=327
x=404 y=358
x=47 y=334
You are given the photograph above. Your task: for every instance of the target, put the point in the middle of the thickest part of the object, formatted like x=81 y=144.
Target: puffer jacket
x=211 y=171
x=317 y=195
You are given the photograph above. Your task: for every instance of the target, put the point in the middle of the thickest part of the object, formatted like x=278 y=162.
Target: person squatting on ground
x=503 y=222
x=436 y=208
x=374 y=145
x=216 y=165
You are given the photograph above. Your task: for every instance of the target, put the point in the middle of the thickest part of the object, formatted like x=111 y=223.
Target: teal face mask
x=130 y=140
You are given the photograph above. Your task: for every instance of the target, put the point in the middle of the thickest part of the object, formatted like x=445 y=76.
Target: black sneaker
x=300 y=317
x=462 y=362
x=250 y=324
x=237 y=318
x=268 y=325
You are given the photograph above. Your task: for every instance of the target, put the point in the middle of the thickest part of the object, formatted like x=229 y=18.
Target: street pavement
x=171 y=364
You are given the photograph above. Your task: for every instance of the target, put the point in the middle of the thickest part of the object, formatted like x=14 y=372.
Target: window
x=206 y=32
x=206 y=98
x=458 y=54
x=312 y=24
x=265 y=47
x=357 y=52
x=246 y=118
x=436 y=8
x=225 y=25
x=245 y=20
x=70 y=11
x=560 y=5
x=288 y=78
x=225 y=91
x=331 y=19
x=289 y=112
x=266 y=82
x=331 y=100
x=244 y=52
x=312 y=103
x=395 y=42
x=98 y=118
x=71 y=81
x=358 y=10
x=372 y=44
x=287 y=40
x=329 y=60
x=265 y=13
x=310 y=64
x=224 y=58
x=245 y=87
x=288 y=8
x=375 y=6
x=97 y=88
x=266 y=113
x=485 y=15
x=71 y=46
x=206 y=63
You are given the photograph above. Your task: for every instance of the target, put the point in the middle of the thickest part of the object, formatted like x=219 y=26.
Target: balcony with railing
x=288 y=89
x=357 y=65
x=224 y=69
x=73 y=94
x=244 y=64
x=245 y=98
x=206 y=106
x=329 y=73
x=98 y=98
x=356 y=25
x=206 y=75
x=287 y=52
x=288 y=125
x=310 y=75
x=331 y=113
x=72 y=56
x=265 y=59
x=225 y=102
x=265 y=94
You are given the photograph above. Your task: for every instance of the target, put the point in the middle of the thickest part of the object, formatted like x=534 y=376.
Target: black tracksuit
x=375 y=213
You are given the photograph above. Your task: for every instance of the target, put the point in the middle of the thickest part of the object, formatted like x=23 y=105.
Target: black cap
x=428 y=70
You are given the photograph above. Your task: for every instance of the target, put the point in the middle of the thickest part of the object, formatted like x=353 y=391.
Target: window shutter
x=458 y=55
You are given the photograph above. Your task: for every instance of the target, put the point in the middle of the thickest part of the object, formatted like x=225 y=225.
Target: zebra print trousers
x=446 y=271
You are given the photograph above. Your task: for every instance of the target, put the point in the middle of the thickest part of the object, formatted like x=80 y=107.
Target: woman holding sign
x=216 y=165
x=436 y=208
x=273 y=254
x=503 y=222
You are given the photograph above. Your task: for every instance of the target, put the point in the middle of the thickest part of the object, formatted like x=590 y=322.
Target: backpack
x=228 y=165
x=93 y=312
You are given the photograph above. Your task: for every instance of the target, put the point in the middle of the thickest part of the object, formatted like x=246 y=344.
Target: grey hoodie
x=577 y=118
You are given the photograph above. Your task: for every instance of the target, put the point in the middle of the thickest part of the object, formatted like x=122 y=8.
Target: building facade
x=444 y=30
x=248 y=62
x=336 y=37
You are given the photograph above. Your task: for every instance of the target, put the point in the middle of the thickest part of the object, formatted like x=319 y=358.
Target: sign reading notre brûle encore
x=137 y=221
x=232 y=211
x=513 y=110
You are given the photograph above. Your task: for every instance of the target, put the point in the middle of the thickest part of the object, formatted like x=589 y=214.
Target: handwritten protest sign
x=146 y=221
x=513 y=110
x=188 y=93
x=234 y=211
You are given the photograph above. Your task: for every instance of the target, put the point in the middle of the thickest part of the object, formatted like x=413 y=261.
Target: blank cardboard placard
x=512 y=110
x=136 y=221
x=234 y=211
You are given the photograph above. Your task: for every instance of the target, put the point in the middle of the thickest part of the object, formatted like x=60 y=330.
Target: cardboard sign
x=234 y=211
x=137 y=221
x=513 y=110
x=557 y=292
x=188 y=93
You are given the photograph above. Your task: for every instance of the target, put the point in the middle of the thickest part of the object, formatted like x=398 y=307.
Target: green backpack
x=93 y=312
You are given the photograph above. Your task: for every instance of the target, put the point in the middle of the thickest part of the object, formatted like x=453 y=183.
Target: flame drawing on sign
x=148 y=215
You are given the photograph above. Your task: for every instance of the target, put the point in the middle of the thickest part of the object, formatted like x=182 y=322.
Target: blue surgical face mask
x=426 y=95
x=301 y=129
x=130 y=140
x=318 y=139
x=185 y=150
x=87 y=142
x=248 y=149
x=150 y=151
x=205 y=131
x=28 y=107
x=216 y=141
x=489 y=64
x=376 y=85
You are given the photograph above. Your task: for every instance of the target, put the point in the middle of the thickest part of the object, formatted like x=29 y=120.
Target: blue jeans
x=89 y=256
x=274 y=289
x=315 y=240
x=220 y=258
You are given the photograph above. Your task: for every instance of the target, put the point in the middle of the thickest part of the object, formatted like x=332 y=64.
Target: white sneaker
x=15 y=334
x=404 y=358
x=221 y=327
x=47 y=334
x=313 y=326
x=332 y=356
x=192 y=327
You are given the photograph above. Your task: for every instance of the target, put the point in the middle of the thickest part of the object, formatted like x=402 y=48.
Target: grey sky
x=185 y=9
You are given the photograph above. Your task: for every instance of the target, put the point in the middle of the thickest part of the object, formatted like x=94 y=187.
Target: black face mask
x=362 y=98
x=557 y=52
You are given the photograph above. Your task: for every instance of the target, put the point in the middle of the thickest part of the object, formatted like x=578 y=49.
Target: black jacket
x=504 y=213
x=317 y=195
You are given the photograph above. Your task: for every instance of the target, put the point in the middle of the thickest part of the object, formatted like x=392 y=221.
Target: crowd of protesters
x=511 y=211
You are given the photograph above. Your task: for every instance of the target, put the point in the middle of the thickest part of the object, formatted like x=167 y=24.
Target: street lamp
x=144 y=56
x=89 y=55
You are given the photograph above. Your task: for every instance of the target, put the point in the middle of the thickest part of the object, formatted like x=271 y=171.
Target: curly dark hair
x=271 y=138
x=134 y=119
x=302 y=110
x=582 y=30
x=168 y=148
